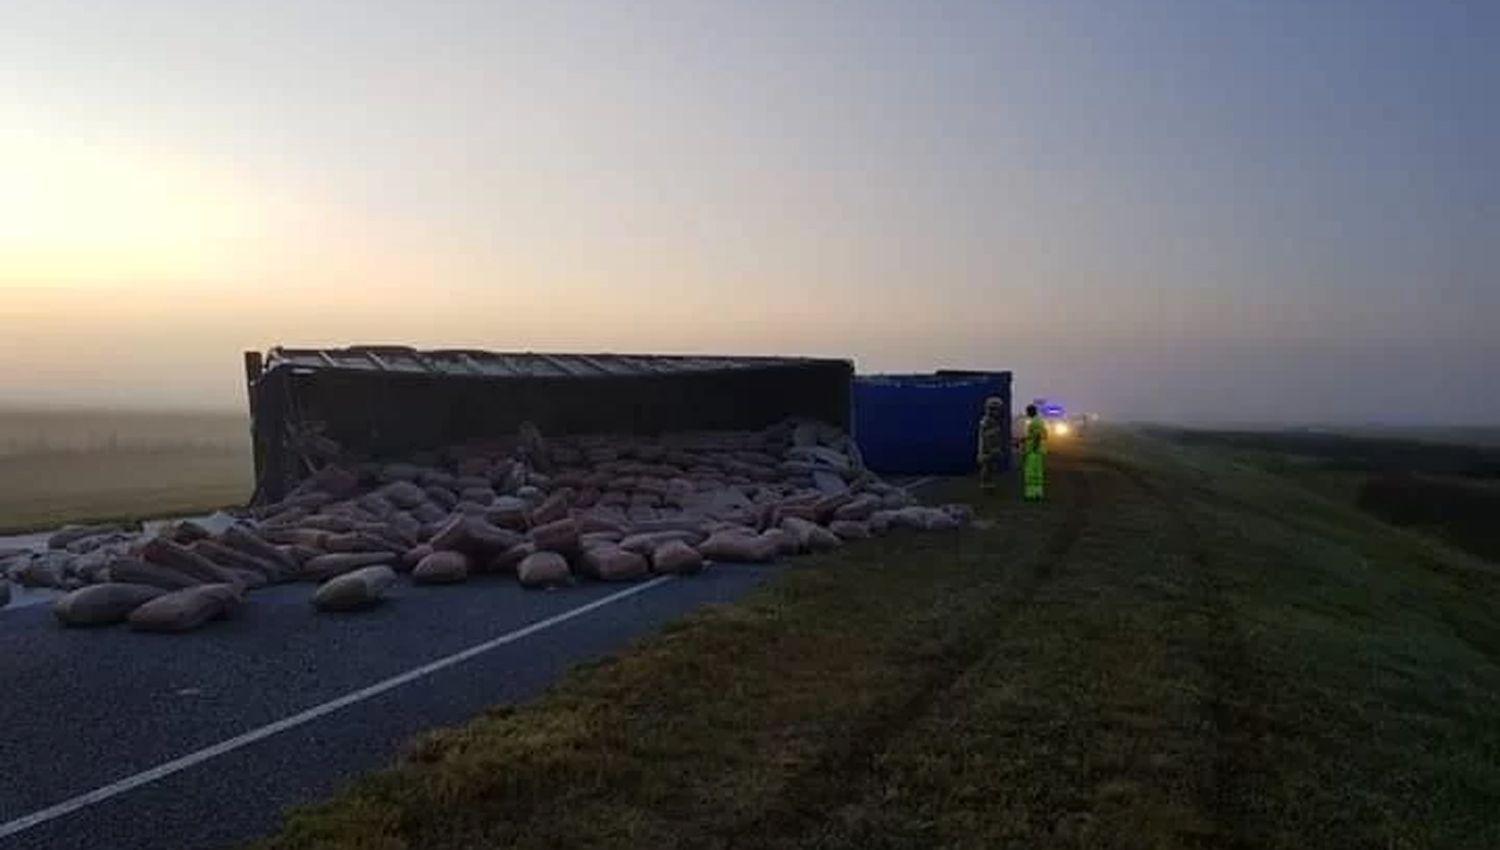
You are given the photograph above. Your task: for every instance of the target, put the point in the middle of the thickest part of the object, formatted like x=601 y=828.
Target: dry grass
x=66 y=466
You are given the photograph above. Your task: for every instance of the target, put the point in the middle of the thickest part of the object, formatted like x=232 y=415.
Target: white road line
x=22 y=597
x=162 y=771
x=921 y=482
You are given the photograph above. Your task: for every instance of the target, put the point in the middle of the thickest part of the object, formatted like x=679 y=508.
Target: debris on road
x=351 y=591
x=103 y=604
x=545 y=510
x=185 y=610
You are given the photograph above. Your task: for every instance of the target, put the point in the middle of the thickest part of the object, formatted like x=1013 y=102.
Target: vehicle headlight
x=1061 y=429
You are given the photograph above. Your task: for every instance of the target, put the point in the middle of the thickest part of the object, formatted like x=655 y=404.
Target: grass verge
x=40 y=491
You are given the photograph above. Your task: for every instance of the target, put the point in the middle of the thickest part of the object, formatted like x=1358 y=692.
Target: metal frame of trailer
x=389 y=401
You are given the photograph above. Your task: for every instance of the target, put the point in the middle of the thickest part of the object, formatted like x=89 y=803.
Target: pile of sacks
x=546 y=511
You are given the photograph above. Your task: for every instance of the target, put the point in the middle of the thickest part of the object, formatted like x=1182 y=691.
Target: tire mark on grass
x=805 y=802
x=1224 y=655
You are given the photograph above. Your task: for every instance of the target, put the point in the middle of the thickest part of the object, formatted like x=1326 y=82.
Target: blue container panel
x=923 y=424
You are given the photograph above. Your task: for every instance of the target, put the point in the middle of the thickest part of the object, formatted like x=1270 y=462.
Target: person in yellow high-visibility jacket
x=1034 y=454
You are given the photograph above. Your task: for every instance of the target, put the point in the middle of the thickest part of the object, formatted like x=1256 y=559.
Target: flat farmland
x=59 y=466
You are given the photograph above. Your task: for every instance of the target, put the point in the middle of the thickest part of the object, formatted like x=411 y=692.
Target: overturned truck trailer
x=389 y=401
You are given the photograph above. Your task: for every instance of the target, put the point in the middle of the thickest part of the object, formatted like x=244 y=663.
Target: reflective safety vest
x=1036 y=436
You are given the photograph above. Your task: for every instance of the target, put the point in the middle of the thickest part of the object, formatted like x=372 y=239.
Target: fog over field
x=1161 y=210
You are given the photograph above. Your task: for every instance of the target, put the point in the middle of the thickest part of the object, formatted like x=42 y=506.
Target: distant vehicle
x=1056 y=418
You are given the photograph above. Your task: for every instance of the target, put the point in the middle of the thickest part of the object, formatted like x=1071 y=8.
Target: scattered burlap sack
x=184 y=610
x=961 y=514
x=786 y=544
x=859 y=509
x=178 y=557
x=510 y=559
x=405 y=494
x=362 y=541
x=231 y=558
x=70 y=533
x=611 y=563
x=738 y=547
x=407 y=527
x=592 y=522
x=325 y=567
x=102 y=604
x=895 y=500
x=810 y=536
x=848 y=529
x=128 y=570
x=921 y=519
x=474 y=536
x=935 y=519
x=552 y=509
x=478 y=495
x=676 y=557
x=328 y=522
x=538 y=569
x=311 y=538
x=442 y=497
x=508 y=512
x=598 y=538
x=414 y=556
x=442 y=567
x=299 y=555
x=350 y=591
x=645 y=544
x=559 y=536
x=376 y=504
x=90 y=566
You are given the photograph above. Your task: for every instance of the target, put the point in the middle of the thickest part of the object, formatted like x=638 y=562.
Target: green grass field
x=1181 y=649
x=64 y=466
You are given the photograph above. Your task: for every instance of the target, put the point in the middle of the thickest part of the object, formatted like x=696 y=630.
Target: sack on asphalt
x=102 y=604
x=738 y=547
x=859 y=509
x=785 y=543
x=414 y=556
x=178 y=557
x=677 y=558
x=552 y=509
x=509 y=560
x=474 y=535
x=442 y=568
x=848 y=529
x=351 y=591
x=325 y=567
x=185 y=610
x=560 y=536
x=810 y=536
x=611 y=563
x=540 y=569
x=135 y=571
x=645 y=544
x=405 y=494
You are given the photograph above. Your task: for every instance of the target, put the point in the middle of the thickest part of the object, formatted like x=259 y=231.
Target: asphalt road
x=84 y=709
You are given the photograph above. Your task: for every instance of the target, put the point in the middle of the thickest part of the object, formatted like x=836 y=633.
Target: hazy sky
x=1247 y=210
